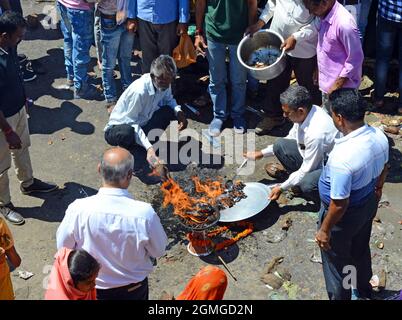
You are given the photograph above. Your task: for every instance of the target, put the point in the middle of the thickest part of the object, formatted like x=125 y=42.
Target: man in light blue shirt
x=146 y=104
x=159 y=23
x=350 y=187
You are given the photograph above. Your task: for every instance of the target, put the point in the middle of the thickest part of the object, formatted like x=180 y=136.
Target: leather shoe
x=11 y=215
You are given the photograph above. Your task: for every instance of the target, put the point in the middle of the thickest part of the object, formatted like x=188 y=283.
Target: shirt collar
x=352 y=134
x=306 y=121
x=148 y=84
x=115 y=192
x=331 y=15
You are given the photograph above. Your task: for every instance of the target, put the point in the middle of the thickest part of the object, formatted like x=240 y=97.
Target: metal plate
x=256 y=201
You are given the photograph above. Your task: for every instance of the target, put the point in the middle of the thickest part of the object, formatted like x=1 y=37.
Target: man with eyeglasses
x=303 y=151
x=146 y=104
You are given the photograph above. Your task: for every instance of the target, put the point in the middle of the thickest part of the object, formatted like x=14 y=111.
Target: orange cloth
x=60 y=285
x=208 y=284
x=6 y=242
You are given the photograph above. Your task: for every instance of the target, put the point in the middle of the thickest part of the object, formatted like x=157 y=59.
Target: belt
x=108 y=16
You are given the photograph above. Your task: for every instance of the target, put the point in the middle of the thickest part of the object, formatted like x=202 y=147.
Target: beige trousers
x=21 y=159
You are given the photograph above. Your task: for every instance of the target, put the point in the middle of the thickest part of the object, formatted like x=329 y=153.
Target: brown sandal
x=276 y=170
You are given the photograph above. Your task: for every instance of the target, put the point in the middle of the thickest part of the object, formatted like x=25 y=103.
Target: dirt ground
x=67 y=141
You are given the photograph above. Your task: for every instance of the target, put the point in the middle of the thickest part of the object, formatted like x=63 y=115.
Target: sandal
x=276 y=170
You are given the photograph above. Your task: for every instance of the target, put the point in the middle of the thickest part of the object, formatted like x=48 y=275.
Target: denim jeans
x=387 y=33
x=117 y=43
x=218 y=79
x=77 y=28
x=365 y=6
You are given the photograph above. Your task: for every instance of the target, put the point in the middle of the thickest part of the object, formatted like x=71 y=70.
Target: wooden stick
x=225 y=265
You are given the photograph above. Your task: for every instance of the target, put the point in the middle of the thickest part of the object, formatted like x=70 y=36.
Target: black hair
x=81 y=265
x=348 y=103
x=296 y=97
x=10 y=21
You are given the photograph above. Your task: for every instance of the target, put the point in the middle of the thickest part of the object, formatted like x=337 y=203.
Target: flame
x=183 y=203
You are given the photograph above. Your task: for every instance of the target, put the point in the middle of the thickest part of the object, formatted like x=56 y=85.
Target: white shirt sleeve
x=313 y=156
x=268 y=11
x=135 y=106
x=169 y=100
x=65 y=235
x=156 y=246
x=269 y=151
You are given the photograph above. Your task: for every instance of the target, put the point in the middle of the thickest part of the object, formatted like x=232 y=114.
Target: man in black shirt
x=14 y=134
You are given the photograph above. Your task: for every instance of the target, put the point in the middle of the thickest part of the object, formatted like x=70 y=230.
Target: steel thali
x=256 y=201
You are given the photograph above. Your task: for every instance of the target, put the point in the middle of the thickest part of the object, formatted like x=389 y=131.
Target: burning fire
x=184 y=204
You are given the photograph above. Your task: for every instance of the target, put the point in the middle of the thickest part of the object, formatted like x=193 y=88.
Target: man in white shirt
x=121 y=233
x=303 y=151
x=292 y=20
x=142 y=107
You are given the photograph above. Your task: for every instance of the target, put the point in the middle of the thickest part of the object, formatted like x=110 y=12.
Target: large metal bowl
x=262 y=38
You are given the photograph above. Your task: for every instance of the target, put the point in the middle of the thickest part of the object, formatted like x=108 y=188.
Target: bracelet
x=8 y=131
x=199 y=32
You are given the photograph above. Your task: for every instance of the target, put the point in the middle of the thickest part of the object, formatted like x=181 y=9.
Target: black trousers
x=289 y=156
x=134 y=291
x=304 y=69
x=124 y=136
x=350 y=248
x=156 y=39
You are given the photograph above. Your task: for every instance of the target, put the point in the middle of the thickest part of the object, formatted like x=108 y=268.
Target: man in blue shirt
x=159 y=23
x=350 y=187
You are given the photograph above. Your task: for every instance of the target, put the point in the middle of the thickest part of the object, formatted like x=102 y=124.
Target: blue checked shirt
x=390 y=10
x=159 y=11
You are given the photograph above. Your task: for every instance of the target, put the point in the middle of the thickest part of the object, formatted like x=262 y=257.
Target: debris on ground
x=316 y=257
x=291 y=289
x=379 y=244
x=287 y=224
x=277 y=237
x=24 y=274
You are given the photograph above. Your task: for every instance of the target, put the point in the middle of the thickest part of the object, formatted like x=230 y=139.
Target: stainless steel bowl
x=262 y=38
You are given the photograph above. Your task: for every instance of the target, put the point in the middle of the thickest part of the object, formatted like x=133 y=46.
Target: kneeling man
x=303 y=151
x=142 y=107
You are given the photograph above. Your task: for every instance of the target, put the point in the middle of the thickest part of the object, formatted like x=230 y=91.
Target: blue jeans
x=117 y=43
x=387 y=31
x=365 y=6
x=218 y=79
x=77 y=28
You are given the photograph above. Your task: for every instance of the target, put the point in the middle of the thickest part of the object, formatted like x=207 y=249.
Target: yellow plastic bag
x=184 y=54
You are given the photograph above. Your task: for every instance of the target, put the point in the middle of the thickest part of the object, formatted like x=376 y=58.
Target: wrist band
x=199 y=32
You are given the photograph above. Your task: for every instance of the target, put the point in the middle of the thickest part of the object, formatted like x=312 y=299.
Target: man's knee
x=120 y=135
x=280 y=146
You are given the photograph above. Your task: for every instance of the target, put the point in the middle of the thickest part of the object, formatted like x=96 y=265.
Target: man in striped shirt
x=350 y=187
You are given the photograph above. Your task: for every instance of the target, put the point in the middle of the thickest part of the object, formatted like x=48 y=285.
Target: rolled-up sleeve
x=349 y=36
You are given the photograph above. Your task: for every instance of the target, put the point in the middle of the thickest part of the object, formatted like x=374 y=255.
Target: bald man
x=123 y=234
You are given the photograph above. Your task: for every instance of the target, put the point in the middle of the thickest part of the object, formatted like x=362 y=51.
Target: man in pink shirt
x=339 y=50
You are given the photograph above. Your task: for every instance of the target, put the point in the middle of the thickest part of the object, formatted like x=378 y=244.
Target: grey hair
x=164 y=65
x=296 y=97
x=115 y=173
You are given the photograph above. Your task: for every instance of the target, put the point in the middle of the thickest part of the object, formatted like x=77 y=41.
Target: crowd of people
x=108 y=243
